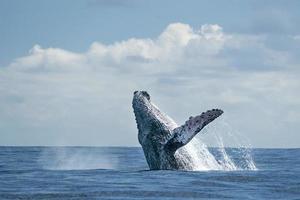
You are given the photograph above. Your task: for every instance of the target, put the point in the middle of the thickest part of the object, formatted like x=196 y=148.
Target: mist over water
x=80 y=158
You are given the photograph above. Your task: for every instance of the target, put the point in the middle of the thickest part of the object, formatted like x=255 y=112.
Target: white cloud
x=85 y=98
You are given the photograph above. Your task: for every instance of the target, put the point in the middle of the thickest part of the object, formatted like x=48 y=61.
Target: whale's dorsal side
x=160 y=136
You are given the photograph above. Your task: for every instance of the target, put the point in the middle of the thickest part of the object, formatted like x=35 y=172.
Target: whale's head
x=147 y=116
x=142 y=109
x=141 y=97
x=141 y=104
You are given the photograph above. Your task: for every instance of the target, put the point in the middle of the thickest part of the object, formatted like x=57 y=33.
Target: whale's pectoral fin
x=183 y=134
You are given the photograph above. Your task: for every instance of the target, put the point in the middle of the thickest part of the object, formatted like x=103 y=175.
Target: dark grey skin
x=160 y=136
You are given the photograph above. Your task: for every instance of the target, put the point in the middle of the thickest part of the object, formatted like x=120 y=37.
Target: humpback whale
x=162 y=140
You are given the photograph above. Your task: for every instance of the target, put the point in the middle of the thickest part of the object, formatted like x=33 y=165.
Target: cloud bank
x=54 y=96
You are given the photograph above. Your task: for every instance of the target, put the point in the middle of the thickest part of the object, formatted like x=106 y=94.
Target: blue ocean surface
x=122 y=173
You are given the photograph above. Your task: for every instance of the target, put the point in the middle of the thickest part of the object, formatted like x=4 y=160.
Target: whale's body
x=161 y=138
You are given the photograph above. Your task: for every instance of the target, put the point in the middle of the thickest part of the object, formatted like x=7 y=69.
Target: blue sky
x=68 y=68
x=74 y=25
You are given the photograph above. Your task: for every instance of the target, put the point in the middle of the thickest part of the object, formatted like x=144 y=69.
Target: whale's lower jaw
x=161 y=159
x=164 y=161
x=170 y=162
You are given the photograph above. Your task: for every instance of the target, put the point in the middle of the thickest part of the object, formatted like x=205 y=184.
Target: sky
x=68 y=69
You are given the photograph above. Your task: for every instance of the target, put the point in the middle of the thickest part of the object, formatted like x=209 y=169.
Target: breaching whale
x=161 y=138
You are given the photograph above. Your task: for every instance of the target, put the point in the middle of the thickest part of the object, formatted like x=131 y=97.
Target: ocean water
x=122 y=173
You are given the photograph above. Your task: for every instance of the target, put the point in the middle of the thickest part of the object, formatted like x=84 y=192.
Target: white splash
x=238 y=158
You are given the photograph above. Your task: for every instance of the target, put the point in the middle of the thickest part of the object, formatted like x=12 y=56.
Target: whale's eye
x=144 y=93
